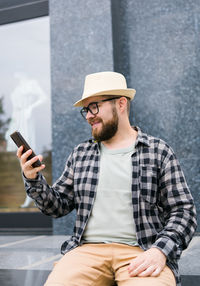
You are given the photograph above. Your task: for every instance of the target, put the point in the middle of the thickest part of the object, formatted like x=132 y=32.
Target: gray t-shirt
x=111 y=219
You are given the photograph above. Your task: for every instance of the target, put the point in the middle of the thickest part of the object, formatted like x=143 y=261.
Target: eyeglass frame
x=97 y=107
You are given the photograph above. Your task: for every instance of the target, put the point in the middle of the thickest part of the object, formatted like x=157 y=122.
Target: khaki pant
x=102 y=265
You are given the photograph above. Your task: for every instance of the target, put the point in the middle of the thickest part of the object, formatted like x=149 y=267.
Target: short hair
x=128 y=103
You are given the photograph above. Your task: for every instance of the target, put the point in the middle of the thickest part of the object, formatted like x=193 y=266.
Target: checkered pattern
x=163 y=208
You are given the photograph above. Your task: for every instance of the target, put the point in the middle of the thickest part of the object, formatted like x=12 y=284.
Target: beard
x=108 y=129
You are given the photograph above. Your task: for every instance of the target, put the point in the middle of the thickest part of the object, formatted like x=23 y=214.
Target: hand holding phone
x=20 y=141
x=30 y=171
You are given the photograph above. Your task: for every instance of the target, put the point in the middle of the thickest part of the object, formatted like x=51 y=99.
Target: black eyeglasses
x=93 y=107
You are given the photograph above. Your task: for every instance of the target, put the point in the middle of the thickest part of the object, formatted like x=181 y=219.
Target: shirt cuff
x=33 y=186
x=166 y=245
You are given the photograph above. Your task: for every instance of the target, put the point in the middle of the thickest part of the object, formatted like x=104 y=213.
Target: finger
x=38 y=169
x=142 y=267
x=29 y=163
x=25 y=156
x=40 y=157
x=135 y=263
x=33 y=172
x=19 y=151
x=147 y=272
x=156 y=272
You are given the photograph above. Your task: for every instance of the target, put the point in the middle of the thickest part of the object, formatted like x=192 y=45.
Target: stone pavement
x=27 y=260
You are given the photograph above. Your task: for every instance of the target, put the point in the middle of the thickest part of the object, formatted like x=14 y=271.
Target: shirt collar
x=141 y=137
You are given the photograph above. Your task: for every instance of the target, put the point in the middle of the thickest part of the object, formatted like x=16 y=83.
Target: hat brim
x=130 y=93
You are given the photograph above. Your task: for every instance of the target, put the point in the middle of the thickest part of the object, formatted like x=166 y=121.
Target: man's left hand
x=149 y=263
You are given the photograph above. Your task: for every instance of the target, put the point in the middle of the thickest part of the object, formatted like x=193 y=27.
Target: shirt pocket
x=148 y=183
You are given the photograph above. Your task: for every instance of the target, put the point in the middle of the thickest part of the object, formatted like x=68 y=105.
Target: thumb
x=40 y=157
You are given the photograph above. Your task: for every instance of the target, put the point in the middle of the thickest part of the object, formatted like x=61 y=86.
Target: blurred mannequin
x=25 y=98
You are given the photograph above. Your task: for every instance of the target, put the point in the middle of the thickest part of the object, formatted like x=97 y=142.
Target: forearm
x=177 y=208
x=179 y=228
x=47 y=198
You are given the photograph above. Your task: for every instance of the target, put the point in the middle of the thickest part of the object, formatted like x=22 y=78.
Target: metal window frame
x=18 y=10
x=12 y=11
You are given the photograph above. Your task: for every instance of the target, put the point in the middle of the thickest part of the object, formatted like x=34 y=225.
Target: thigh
x=166 y=278
x=85 y=265
x=123 y=256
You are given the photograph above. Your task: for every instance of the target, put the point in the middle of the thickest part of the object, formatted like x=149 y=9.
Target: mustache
x=94 y=120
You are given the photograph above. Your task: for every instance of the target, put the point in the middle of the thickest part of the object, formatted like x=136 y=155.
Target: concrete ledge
x=190 y=280
x=12 y=277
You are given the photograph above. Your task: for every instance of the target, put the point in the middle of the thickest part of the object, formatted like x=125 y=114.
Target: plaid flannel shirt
x=163 y=208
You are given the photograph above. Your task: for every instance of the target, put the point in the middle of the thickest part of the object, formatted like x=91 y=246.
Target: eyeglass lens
x=92 y=107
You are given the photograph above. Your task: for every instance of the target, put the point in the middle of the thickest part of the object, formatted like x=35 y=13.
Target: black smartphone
x=20 y=141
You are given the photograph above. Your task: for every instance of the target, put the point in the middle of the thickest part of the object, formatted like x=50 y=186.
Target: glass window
x=24 y=104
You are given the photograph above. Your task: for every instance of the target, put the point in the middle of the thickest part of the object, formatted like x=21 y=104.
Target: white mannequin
x=25 y=98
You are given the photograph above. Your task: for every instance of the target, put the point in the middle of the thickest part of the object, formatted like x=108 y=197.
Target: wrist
x=158 y=251
x=30 y=177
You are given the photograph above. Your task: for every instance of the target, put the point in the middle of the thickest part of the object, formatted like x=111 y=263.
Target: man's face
x=105 y=123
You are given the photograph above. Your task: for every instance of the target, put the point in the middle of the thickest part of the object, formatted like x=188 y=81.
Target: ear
x=122 y=104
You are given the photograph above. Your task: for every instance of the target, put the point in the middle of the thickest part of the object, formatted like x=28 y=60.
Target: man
x=135 y=213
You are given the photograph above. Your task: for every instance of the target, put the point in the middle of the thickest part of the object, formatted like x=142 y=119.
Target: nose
x=89 y=115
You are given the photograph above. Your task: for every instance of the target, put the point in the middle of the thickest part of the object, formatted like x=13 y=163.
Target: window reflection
x=24 y=104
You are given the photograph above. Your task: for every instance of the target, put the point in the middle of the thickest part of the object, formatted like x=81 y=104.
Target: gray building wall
x=156 y=45
x=81 y=43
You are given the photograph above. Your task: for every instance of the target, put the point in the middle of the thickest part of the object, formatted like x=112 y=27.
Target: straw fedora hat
x=105 y=83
